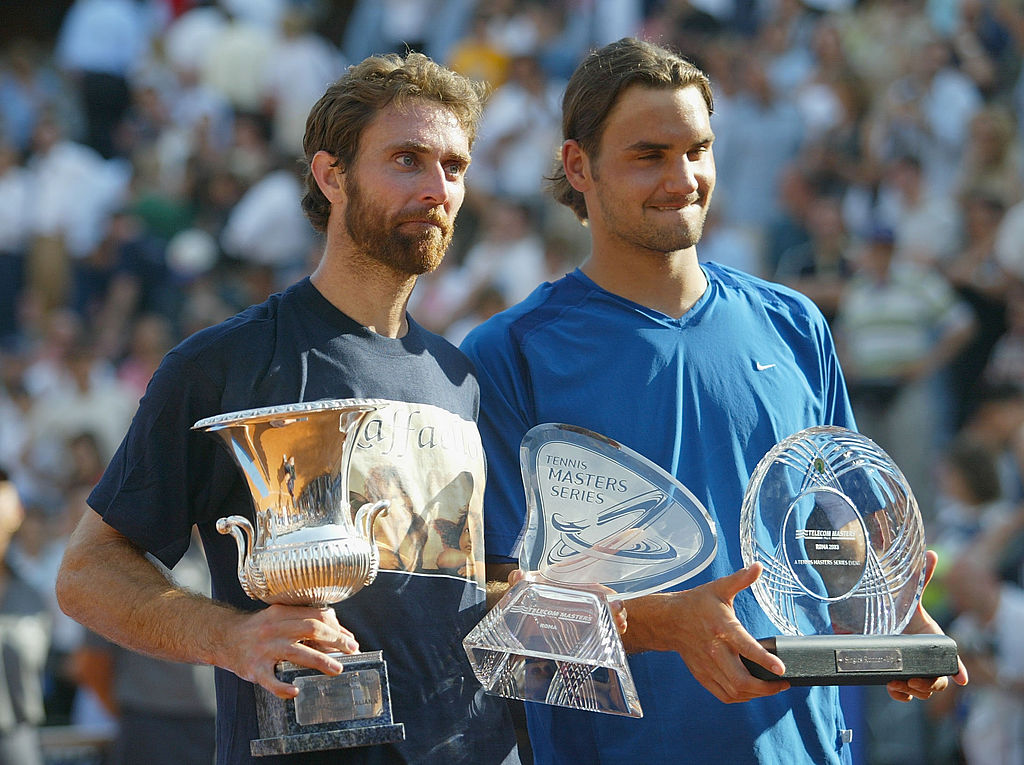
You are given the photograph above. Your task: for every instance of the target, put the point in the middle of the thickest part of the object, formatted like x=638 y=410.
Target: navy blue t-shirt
x=298 y=347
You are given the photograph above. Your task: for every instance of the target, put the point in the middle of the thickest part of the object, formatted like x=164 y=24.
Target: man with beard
x=387 y=149
x=702 y=369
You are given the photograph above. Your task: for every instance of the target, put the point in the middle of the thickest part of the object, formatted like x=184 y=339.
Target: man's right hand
x=303 y=635
x=700 y=625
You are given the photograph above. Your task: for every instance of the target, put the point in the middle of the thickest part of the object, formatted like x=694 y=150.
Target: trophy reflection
x=837 y=528
x=602 y=521
x=308 y=548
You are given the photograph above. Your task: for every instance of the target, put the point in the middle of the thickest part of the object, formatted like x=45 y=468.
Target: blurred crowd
x=870 y=154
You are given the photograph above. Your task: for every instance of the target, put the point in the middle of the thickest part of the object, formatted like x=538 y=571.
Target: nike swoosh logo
x=761 y=367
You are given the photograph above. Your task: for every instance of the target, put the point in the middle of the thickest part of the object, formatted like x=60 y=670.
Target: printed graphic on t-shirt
x=429 y=463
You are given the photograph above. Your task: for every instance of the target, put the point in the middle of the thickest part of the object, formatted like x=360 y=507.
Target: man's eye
x=406 y=160
x=456 y=168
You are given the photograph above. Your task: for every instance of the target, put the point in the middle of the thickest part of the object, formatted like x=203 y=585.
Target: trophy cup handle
x=367 y=515
x=240 y=528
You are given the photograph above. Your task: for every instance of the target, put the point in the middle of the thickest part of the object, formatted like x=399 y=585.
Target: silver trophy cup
x=307 y=547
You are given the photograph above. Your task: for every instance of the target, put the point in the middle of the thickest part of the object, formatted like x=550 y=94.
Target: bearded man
x=387 y=148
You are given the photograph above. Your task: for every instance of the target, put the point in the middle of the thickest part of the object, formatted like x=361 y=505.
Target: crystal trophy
x=307 y=547
x=601 y=521
x=837 y=528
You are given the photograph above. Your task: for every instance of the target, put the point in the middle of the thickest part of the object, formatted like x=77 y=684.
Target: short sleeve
x=160 y=480
x=505 y=416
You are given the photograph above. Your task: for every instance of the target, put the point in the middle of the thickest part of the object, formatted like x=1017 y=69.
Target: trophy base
x=330 y=712
x=315 y=742
x=554 y=645
x=858 y=659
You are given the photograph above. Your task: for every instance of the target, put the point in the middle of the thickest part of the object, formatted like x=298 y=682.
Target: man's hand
x=303 y=635
x=922 y=623
x=701 y=626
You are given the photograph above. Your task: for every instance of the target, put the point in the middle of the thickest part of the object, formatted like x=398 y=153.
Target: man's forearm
x=107 y=584
x=645 y=614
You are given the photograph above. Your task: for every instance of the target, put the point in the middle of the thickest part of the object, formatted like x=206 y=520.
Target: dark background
x=38 y=20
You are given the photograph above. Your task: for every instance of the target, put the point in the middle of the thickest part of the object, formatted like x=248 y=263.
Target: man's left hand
x=922 y=623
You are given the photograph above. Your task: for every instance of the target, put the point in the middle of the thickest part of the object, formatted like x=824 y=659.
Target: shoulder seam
x=546 y=313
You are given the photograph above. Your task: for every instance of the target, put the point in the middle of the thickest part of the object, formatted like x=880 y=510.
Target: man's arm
x=701 y=626
x=107 y=583
x=698 y=624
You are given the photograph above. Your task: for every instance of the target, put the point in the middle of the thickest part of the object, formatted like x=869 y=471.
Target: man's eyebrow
x=647 y=146
x=460 y=156
x=641 y=146
x=418 y=147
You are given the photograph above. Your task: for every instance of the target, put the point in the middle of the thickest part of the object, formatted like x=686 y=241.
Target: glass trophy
x=601 y=522
x=837 y=528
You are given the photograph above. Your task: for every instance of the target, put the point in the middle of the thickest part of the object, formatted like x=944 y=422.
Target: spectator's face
x=406 y=186
x=45 y=137
x=981 y=217
x=877 y=259
x=906 y=177
x=80 y=368
x=826 y=219
x=651 y=182
x=11 y=513
x=991 y=142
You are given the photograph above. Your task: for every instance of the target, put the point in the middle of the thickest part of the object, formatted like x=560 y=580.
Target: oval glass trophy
x=835 y=525
x=601 y=521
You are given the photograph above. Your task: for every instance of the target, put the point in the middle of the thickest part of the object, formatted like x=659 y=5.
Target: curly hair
x=594 y=89
x=337 y=120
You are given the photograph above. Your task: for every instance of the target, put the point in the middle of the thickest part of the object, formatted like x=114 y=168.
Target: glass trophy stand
x=837 y=528
x=602 y=522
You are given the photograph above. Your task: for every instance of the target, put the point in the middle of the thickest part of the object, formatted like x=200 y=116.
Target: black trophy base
x=858 y=659
x=330 y=712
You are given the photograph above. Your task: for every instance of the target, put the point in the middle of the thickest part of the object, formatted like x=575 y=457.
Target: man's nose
x=434 y=185
x=682 y=176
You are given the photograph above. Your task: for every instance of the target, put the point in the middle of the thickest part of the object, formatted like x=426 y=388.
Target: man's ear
x=577 y=166
x=329 y=176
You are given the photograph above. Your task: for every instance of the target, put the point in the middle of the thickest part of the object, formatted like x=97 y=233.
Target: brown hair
x=595 y=87
x=337 y=120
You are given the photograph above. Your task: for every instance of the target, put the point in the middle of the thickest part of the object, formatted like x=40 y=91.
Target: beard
x=412 y=253
x=657 y=236
x=662 y=237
